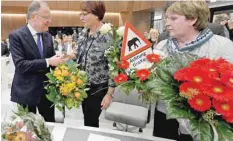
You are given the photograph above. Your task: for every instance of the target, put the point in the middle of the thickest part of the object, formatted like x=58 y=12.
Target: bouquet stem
x=215 y=132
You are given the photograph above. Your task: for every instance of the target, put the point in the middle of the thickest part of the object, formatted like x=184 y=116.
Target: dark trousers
x=165 y=128
x=168 y=128
x=44 y=108
x=183 y=137
x=92 y=104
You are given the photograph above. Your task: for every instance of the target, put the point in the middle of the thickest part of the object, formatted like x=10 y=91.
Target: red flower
x=180 y=75
x=225 y=67
x=227 y=79
x=223 y=108
x=229 y=119
x=202 y=62
x=189 y=89
x=120 y=78
x=143 y=74
x=221 y=61
x=123 y=64
x=218 y=91
x=209 y=65
x=196 y=75
x=200 y=103
x=153 y=58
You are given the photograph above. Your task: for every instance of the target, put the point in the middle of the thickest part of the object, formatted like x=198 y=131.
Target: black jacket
x=30 y=67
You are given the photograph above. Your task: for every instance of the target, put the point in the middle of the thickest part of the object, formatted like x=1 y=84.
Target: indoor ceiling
x=20 y=7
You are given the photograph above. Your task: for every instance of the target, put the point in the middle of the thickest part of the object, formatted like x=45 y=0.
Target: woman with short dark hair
x=91 y=46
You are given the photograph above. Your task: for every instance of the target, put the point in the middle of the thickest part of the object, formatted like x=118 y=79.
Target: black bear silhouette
x=132 y=42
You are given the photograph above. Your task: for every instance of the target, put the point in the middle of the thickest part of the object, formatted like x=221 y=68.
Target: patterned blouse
x=90 y=56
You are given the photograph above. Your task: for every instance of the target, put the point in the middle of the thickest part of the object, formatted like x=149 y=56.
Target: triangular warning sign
x=133 y=42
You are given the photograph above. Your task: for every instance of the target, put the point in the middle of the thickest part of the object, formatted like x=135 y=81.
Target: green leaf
x=225 y=132
x=50 y=97
x=83 y=93
x=77 y=104
x=127 y=87
x=52 y=79
x=155 y=83
x=201 y=130
x=175 y=109
x=167 y=93
x=60 y=108
x=69 y=102
x=163 y=73
x=52 y=93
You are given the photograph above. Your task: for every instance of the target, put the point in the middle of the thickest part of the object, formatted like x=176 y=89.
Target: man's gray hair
x=34 y=7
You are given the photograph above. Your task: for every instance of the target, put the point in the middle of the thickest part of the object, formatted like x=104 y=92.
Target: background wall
x=11 y=22
x=65 y=13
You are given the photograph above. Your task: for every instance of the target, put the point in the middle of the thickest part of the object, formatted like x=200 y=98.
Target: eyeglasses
x=45 y=17
x=84 y=13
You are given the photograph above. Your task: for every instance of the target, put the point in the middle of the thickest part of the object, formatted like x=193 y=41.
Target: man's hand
x=55 y=60
x=68 y=56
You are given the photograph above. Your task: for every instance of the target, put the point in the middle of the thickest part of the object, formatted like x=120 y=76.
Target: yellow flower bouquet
x=66 y=85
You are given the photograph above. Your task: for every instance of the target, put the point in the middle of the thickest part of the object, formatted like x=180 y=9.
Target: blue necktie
x=38 y=42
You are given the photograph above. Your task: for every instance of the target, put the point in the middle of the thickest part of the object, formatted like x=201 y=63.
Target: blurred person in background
x=4 y=49
x=153 y=36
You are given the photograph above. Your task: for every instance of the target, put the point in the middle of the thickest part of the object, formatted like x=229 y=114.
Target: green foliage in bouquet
x=25 y=126
x=202 y=125
x=126 y=78
x=66 y=85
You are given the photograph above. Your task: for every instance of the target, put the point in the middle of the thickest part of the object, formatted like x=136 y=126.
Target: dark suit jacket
x=30 y=68
x=215 y=28
x=4 y=49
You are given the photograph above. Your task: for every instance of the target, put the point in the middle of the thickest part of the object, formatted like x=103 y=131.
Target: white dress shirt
x=34 y=35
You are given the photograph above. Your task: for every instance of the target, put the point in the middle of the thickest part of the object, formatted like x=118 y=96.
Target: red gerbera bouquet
x=125 y=77
x=208 y=85
x=198 y=93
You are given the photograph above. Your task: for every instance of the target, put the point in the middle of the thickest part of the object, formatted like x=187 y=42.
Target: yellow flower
x=65 y=72
x=63 y=67
x=73 y=78
x=21 y=136
x=57 y=72
x=70 y=86
x=9 y=137
x=61 y=78
x=77 y=95
x=79 y=82
x=64 y=90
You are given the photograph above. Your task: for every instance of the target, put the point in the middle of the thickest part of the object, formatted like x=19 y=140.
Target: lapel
x=31 y=42
x=45 y=44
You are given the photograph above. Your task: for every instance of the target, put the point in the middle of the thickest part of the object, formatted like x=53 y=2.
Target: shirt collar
x=33 y=31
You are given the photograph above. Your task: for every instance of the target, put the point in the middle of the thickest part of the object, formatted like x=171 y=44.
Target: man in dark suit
x=215 y=28
x=4 y=49
x=33 y=54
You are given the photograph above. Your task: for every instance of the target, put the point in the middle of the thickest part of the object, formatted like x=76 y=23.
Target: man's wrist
x=47 y=62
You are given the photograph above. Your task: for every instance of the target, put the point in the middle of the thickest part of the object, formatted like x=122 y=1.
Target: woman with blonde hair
x=153 y=36
x=186 y=22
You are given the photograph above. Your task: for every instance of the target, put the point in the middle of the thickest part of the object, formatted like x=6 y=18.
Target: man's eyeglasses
x=45 y=17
